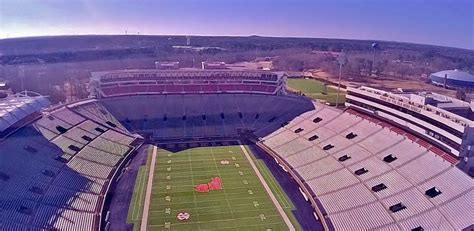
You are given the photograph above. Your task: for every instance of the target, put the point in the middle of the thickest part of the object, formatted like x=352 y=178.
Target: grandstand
x=60 y=165
x=440 y=120
x=194 y=116
x=154 y=81
x=56 y=170
x=362 y=173
x=436 y=124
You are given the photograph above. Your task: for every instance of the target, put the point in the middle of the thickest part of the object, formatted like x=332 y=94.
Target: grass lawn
x=242 y=204
x=315 y=89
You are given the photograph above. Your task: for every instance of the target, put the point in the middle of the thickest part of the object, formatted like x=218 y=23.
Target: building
x=450 y=104
x=453 y=79
x=213 y=65
x=162 y=65
x=426 y=114
x=5 y=89
x=197 y=48
x=430 y=115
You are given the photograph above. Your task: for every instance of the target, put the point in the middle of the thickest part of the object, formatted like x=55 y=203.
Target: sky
x=438 y=22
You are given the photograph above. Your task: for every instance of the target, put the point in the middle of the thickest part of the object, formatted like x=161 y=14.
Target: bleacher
x=205 y=115
x=130 y=82
x=97 y=113
x=177 y=89
x=365 y=174
x=54 y=173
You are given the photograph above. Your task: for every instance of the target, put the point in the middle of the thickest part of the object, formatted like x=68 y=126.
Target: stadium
x=453 y=79
x=195 y=149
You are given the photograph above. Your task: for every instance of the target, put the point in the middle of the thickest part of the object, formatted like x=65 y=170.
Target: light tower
x=188 y=40
x=342 y=59
x=375 y=46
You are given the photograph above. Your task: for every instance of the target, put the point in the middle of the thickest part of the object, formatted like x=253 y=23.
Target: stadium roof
x=16 y=107
x=455 y=75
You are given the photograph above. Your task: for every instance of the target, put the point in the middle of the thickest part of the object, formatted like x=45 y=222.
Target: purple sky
x=440 y=22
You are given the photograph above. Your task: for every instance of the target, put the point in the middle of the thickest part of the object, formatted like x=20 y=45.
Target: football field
x=315 y=89
x=243 y=202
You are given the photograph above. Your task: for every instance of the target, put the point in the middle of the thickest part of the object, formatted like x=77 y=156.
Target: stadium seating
x=97 y=113
x=54 y=173
x=367 y=174
x=205 y=115
x=188 y=89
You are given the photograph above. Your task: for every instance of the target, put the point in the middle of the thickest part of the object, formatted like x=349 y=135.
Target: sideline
x=269 y=191
x=146 y=204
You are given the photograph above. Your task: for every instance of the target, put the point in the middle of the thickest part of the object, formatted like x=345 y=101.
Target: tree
x=461 y=94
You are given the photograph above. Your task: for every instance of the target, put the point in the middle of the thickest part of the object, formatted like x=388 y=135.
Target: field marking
x=192 y=185
x=225 y=194
x=183 y=171
x=139 y=197
x=141 y=185
x=220 y=220
x=185 y=191
x=192 y=180
x=269 y=191
x=185 y=164
x=139 y=190
x=270 y=210
x=134 y=200
x=180 y=203
x=215 y=206
x=146 y=204
x=272 y=182
x=274 y=223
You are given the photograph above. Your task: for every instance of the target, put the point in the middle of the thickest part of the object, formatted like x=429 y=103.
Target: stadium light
x=342 y=59
x=375 y=46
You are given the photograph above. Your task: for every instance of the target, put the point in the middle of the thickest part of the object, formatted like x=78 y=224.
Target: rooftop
x=419 y=101
x=18 y=106
x=455 y=75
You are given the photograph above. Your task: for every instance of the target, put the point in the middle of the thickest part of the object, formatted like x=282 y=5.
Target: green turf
x=315 y=89
x=242 y=204
x=136 y=205
x=277 y=190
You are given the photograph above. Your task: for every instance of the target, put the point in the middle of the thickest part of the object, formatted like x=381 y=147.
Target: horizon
x=236 y=36
x=396 y=20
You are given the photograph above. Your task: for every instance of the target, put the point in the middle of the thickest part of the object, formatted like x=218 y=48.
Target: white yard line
x=269 y=191
x=146 y=205
x=194 y=192
x=226 y=198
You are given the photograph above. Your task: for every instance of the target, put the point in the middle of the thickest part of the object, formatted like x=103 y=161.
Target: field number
x=256 y=204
